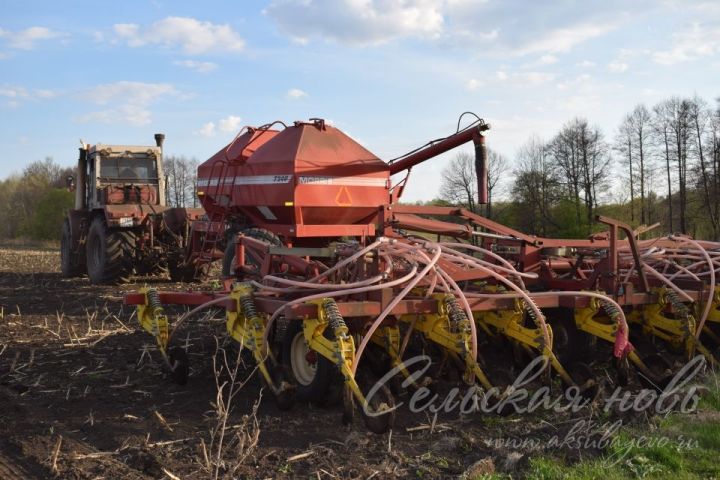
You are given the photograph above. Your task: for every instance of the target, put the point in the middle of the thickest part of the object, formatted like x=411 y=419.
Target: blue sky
x=391 y=73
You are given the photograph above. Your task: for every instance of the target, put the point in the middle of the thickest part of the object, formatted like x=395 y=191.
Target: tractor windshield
x=129 y=169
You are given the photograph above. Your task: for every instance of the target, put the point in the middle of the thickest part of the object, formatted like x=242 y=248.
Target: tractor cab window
x=128 y=169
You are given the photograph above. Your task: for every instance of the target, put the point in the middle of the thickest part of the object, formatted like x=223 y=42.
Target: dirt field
x=83 y=395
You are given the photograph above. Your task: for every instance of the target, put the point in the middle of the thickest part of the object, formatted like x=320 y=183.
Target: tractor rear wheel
x=109 y=254
x=71 y=264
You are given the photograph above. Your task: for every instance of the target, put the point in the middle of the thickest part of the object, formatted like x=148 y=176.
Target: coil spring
x=248 y=306
x=677 y=304
x=531 y=312
x=154 y=299
x=458 y=317
x=610 y=309
x=332 y=313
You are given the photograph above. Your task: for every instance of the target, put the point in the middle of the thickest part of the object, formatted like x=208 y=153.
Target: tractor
x=121 y=224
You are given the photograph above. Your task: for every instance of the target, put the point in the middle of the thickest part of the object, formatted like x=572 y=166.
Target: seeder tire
x=585 y=379
x=383 y=422
x=71 y=264
x=661 y=370
x=312 y=379
x=109 y=254
x=179 y=365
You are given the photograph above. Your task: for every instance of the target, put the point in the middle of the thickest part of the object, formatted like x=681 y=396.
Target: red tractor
x=121 y=224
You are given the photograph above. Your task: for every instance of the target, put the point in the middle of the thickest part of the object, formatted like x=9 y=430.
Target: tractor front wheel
x=109 y=254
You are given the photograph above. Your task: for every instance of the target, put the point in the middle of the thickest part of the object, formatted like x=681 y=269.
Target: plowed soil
x=83 y=395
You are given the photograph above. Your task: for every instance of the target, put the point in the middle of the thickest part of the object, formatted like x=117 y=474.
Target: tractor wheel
x=109 y=254
x=71 y=264
x=256 y=233
x=311 y=372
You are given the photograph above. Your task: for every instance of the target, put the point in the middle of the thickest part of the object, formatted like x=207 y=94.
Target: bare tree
x=497 y=169
x=640 y=124
x=673 y=115
x=580 y=153
x=624 y=145
x=459 y=180
x=632 y=141
x=661 y=129
x=181 y=175
x=706 y=169
x=536 y=187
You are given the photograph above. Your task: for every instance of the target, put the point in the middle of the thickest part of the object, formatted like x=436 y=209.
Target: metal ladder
x=217 y=217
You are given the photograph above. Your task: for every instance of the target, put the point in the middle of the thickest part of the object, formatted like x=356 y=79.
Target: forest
x=660 y=165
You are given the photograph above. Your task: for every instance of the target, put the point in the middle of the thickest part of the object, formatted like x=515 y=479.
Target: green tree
x=49 y=214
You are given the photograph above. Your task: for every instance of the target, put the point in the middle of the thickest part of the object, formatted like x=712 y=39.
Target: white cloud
x=617 y=66
x=523 y=78
x=192 y=36
x=357 y=22
x=207 y=130
x=690 y=44
x=547 y=60
x=533 y=78
x=563 y=39
x=296 y=93
x=578 y=82
x=473 y=84
x=488 y=28
x=13 y=92
x=231 y=123
x=586 y=64
x=44 y=93
x=200 y=67
x=26 y=39
x=129 y=101
x=18 y=94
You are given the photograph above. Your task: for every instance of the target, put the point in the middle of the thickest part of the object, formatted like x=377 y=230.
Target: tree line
x=33 y=203
x=661 y=164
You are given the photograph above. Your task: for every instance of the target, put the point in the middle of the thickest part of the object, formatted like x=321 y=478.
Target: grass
x=680 y=447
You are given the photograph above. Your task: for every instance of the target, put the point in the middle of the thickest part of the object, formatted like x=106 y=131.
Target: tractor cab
x=120 y=175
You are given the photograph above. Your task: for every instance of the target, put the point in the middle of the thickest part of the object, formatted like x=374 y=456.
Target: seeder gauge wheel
x=179 y=365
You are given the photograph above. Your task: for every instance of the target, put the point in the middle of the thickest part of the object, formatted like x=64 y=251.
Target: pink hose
x=394 y=302
x=540 y=318
x=316 y=296
x=667 y=282
x=195 y=310
x=296 y=283
x=510 y=267
x=351 y=259
x=708 y=304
